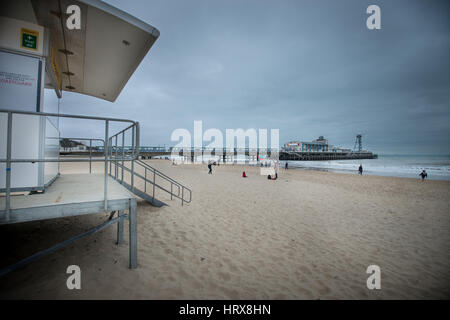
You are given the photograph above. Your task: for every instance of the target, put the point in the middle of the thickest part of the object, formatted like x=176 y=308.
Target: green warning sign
x=29 y=38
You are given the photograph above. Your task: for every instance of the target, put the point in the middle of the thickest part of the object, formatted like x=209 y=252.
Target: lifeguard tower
x=38 y=50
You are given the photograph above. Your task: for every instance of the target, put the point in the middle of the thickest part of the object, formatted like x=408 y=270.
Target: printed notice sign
x=19 y=82
x=29 y=39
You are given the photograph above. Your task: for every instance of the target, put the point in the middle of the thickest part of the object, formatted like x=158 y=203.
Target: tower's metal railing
x=117 y=172
x=90 y=148
x=131 y=154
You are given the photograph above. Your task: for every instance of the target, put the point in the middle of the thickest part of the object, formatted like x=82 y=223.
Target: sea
x=407 y=166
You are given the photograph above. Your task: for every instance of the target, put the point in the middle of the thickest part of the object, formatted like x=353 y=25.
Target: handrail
x=64 y=115
x=155 y=172
x=134 y=126
x=151 y=182
x=159 y=172
x=163 y=176
x=168 y=178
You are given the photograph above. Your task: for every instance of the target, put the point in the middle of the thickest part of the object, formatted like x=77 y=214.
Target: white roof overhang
x=99 y=59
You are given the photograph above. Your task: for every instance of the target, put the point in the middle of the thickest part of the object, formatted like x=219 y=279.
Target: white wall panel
x=25 y=145
x=51 y=150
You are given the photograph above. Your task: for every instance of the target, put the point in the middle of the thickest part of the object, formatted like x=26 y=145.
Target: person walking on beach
x=423 y=174
x=360 y=169
x=286 y=166
x=210 y=167
x=276 y=167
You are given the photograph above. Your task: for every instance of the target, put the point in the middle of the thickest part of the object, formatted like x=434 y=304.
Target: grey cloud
x=309 y=68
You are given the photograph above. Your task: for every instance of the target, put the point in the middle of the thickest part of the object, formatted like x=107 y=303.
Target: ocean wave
x=402 y=167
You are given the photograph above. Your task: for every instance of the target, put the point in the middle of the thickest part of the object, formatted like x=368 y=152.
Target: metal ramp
x=153 y=201
x=128 y=173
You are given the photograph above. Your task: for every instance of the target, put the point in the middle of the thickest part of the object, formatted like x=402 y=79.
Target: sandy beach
x=307 y=235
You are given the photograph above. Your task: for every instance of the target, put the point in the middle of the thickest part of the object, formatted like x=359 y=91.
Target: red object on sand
x=243 y=174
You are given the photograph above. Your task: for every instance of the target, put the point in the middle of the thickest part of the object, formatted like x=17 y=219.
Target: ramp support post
x=133 y=233
x=120 y=227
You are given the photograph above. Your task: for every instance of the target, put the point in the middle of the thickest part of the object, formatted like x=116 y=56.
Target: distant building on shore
x=67 y=145
x=319 y=149
x=318 y=145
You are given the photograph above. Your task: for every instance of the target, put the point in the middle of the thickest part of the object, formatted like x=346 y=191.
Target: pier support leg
x=120 y=228
x=133 y=234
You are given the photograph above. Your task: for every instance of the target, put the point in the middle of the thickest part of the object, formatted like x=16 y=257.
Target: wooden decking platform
x=69 y=195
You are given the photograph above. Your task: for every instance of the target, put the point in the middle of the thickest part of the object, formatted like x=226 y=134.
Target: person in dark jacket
x=423 y=174
x=210 y=163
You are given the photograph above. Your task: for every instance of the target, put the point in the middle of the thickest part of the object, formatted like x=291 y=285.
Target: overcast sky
x=308 y=68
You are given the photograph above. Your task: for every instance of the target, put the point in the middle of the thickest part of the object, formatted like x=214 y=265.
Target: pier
x=317 y=156
x=227 y=155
